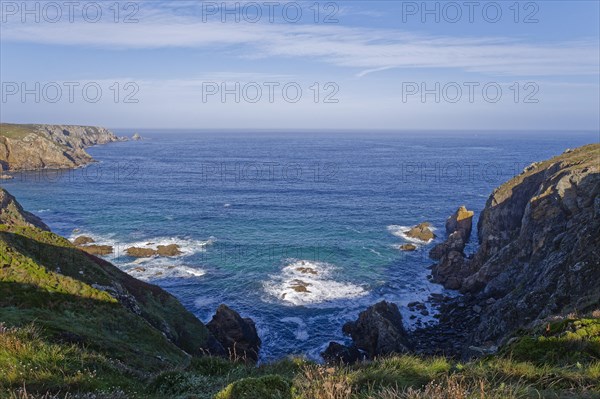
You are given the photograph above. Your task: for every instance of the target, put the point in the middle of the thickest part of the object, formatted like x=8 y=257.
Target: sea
x=298 y=230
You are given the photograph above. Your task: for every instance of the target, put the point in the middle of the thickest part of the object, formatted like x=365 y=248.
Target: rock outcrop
x=32 y=147
x=161 y=250
x=83 y=240
x=338 y=353
x=408 y=247
x=379 y=331
x=237 y=335
x=12 y=214
x=538 y=256
x=421 y=232
x=461 y=221
x=452 y=267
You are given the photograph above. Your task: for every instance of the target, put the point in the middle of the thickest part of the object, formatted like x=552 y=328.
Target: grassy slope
x=25 y=355
x=61 y=335
x=44 y=279
x=13 y=131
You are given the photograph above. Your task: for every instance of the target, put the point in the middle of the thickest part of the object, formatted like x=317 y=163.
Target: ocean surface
x=297 y=230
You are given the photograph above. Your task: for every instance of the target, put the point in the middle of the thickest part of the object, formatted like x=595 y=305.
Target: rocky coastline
x=34 y=147
x=537 y=258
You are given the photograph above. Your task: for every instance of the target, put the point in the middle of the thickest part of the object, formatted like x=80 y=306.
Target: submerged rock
x=408 y=247
x=161 y=250
x=300 y=286
x=136 y=252
x=307 y=270
x=168 y=250
x=421 y=232
x=237 y=335
x=379 y=331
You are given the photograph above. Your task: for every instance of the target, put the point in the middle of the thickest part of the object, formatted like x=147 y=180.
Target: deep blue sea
x=259 y=213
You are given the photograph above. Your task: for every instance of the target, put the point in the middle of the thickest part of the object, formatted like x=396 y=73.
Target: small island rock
x=136 y=252
x=83 y=240
x=408 y=247
x=421 y=232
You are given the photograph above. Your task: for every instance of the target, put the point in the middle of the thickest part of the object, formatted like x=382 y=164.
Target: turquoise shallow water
x=259 y=213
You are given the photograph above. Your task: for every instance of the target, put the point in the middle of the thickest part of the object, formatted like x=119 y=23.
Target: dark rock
x=379 y=331
x=237 y=335
x=455 y=242
x=538 y=235
x=337 y=353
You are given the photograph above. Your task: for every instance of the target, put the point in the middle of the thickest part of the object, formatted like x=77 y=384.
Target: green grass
x=44 y=279
x=63 y=335
x=29 y=356
x=566 y=342
x=13 y=131
x=26 y=357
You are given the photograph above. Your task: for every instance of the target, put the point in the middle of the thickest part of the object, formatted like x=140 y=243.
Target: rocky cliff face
x=30 y=147
x=11 y=213
x=539 y=255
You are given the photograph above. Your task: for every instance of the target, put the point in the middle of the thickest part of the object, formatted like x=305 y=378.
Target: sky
x=400 y=65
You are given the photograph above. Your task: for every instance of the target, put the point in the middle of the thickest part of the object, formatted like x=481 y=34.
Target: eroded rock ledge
x=32 y=147
x=538 y=256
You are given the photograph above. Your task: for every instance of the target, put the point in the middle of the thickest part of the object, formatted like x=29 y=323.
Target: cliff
x=79 y=298
x=30 y=147
x=538 y=255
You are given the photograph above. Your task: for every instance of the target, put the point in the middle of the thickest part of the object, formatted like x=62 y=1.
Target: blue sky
x=374 y=59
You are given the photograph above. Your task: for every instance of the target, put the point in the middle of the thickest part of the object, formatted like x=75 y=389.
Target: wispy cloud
x=366 y=49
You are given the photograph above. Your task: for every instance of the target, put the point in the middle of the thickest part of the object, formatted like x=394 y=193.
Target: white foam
x=400 y=231
x=301 y=331
x=315 y=277
x=149 y=269
x=187 y=246
x=375 y=252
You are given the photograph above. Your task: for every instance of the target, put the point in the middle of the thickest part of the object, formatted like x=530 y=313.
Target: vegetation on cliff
x=73 y=325
x=30 y=147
